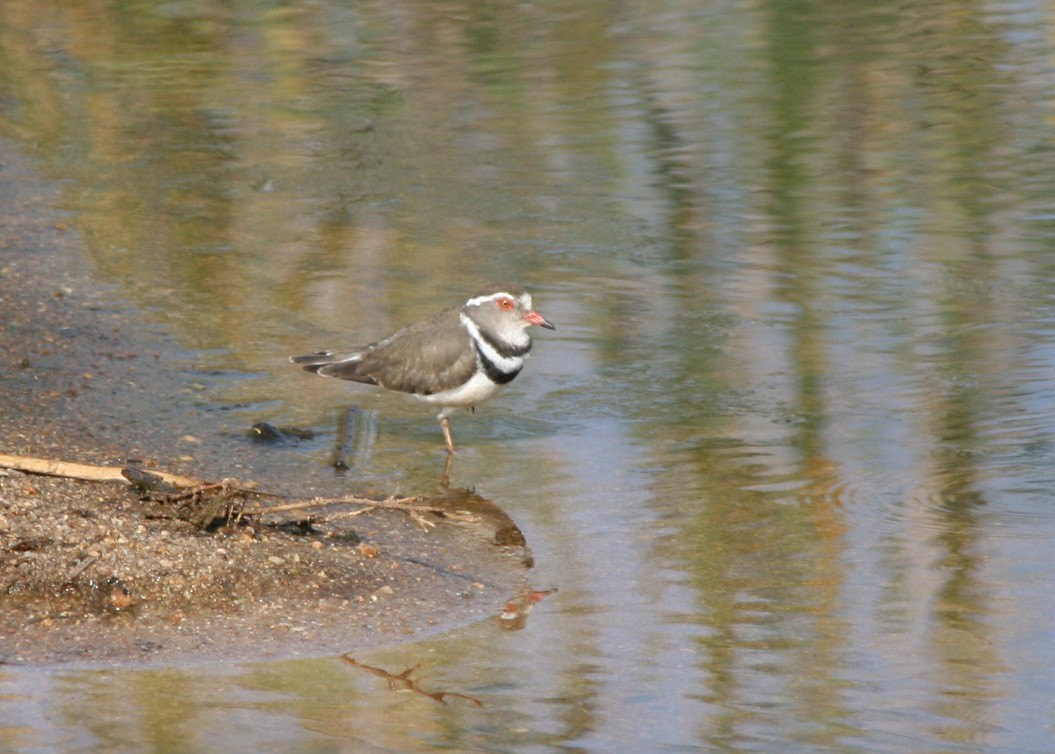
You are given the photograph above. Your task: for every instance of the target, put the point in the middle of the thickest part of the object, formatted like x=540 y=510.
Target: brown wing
x=427 y=357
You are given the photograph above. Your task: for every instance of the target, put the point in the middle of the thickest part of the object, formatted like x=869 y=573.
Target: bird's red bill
x=537 y=319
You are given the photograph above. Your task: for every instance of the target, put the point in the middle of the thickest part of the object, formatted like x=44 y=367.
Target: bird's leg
x=445 y=425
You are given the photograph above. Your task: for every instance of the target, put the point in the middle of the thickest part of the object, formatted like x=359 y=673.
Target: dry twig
x=204 y=502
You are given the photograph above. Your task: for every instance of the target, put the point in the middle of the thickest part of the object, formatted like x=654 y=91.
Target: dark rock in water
x=265 y=432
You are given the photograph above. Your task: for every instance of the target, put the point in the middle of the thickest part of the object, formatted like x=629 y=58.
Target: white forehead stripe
x=507 y=364
x=524 y=300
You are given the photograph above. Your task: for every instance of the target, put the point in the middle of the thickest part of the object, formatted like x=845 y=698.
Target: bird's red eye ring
x=505 y=304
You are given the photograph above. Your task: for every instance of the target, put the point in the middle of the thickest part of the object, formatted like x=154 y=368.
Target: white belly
x=475 y=391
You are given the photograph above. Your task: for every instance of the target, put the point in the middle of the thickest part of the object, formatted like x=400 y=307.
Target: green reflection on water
x=796 y=243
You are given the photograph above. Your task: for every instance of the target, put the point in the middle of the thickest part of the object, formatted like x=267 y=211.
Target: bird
x=457 y=358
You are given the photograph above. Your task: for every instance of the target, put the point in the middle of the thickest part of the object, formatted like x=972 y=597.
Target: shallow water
x=788 y=455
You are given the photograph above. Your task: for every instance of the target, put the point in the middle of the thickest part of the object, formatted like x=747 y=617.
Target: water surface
x=788 y=456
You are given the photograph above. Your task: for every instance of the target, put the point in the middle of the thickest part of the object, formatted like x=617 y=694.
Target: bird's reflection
x=356 y=436
x=515 y=614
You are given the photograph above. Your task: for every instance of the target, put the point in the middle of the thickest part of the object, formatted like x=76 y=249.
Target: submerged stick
x=404 y=682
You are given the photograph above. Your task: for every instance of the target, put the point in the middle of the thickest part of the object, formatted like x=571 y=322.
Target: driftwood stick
x=84 y=471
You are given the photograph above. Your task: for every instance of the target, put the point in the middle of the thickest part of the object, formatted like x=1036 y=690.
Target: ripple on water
x=1008 y=508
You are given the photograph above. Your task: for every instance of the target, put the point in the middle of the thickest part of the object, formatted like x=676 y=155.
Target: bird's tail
x=344 y=366
x=313 y=362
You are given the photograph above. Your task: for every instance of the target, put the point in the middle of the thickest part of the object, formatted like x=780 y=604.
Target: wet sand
x=90 y=573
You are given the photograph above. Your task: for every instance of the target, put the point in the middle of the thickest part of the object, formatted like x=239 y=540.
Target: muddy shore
x=90 y=573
